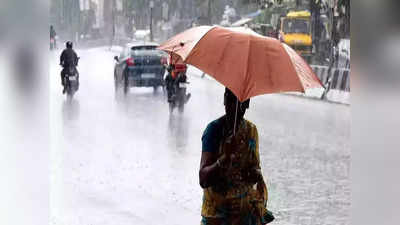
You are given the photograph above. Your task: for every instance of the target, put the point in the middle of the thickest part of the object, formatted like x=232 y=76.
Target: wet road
x=131 y=162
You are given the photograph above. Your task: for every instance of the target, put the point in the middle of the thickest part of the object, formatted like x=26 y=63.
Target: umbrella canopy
x=247 y=63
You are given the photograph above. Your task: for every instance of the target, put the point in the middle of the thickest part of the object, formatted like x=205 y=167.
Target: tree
x=209 y=4
x=298 y=3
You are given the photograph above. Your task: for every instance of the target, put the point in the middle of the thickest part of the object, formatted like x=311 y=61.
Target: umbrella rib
x=294 y=66
x=247 y=75
x=220 y=59
x=194 y=46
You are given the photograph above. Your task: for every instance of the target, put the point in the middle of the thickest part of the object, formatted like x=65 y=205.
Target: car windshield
x=146 y=50
x=300 y=26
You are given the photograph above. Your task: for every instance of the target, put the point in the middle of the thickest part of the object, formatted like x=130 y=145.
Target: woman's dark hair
x=232 y=97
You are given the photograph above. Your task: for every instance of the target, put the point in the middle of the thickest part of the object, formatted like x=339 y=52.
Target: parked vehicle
x=139 y=65
x=295 y=31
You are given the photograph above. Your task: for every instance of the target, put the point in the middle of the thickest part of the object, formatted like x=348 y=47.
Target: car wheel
x=116 y=84
x=118 y=91
x=155 y=89
x=181 y=107
x=171 y=107
x=126 y=87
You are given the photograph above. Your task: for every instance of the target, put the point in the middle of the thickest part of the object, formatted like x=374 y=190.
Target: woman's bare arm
x=209 y=169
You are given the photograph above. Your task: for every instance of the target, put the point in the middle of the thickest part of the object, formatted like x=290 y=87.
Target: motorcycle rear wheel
x=70 y=95
x=126 y=87
x=181 y=108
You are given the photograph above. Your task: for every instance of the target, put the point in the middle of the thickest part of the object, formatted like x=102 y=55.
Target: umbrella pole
x=234 y=125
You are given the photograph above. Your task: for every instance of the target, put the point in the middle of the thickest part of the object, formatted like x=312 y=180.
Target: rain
x=130 y=160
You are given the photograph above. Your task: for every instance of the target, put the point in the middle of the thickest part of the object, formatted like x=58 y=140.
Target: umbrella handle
x=234 y=125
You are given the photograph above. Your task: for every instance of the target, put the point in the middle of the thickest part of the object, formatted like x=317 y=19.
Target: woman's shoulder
x=211 y=136
x=250 y=124
x=214 y=126
x=216 y=123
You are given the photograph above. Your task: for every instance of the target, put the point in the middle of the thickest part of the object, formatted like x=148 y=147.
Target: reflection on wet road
x=128 y=161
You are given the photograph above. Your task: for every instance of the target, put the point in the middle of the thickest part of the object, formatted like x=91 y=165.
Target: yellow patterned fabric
x=234 y=200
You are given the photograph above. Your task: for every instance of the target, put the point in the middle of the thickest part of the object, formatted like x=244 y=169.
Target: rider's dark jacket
x=68 y=58
x=52 y=33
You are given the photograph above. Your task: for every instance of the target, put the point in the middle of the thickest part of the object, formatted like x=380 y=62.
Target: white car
x=142 y=34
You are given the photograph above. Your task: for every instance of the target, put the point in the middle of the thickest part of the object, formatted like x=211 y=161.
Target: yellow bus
x=295 y=31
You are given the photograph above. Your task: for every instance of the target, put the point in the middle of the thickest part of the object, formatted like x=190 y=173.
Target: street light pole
x=113 y=3
x=151 y=20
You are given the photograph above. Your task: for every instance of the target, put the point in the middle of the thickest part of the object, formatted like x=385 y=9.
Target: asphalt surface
x=131 y=162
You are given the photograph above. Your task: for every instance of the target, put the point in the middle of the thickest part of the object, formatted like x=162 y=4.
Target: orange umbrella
x=247 y=63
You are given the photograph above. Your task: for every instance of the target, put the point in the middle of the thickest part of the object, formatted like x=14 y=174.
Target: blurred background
x=24 y=82
x=324 y=24
x=24 y=112
x=319 y=30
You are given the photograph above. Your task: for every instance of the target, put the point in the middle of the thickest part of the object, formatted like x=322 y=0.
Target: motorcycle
x=177 y=96
x=71 y=81
x=52 y=43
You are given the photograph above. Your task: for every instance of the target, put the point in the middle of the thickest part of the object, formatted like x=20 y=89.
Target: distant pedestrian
x=52 y=32
x=53 y=35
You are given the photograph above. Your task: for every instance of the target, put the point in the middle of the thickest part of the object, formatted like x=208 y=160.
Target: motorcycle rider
x=53 y=35
x=172 y=80
x=68 y=58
